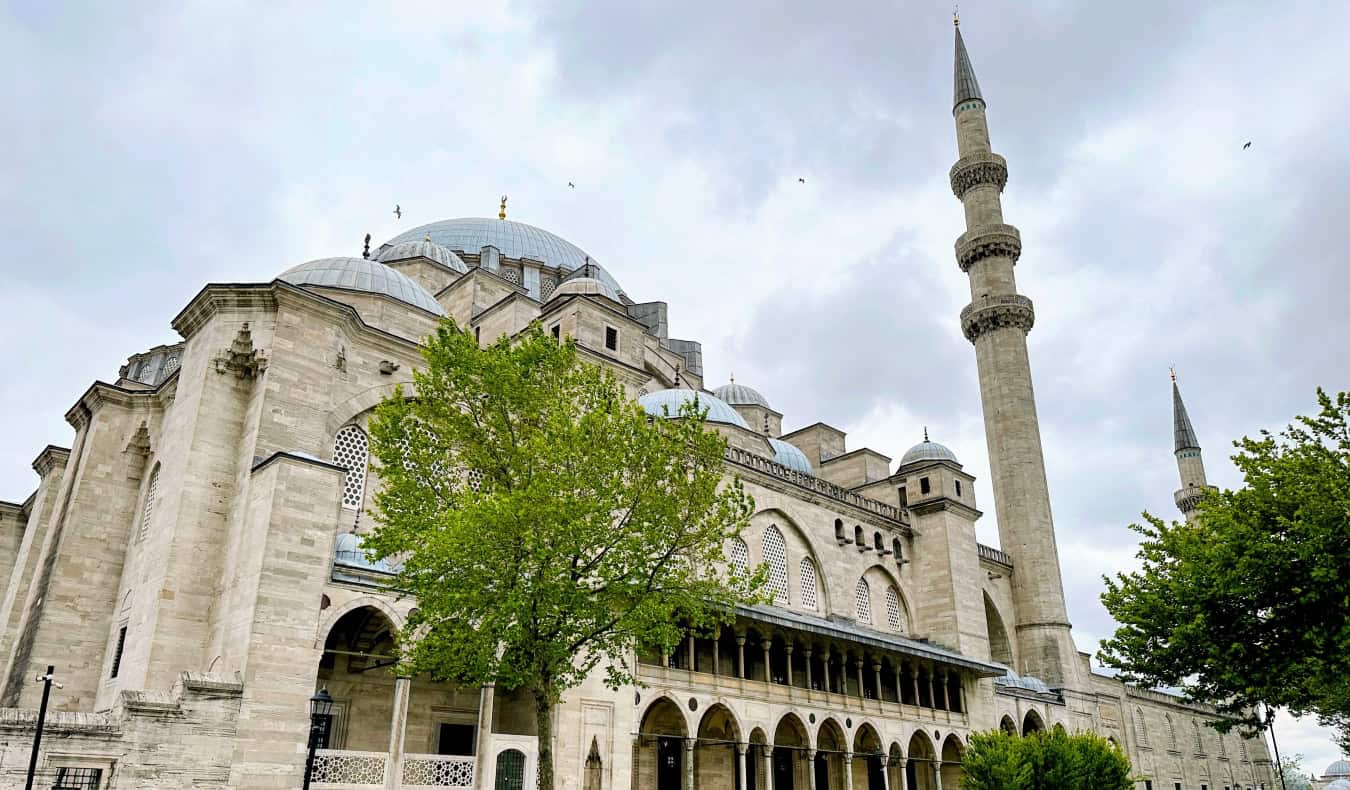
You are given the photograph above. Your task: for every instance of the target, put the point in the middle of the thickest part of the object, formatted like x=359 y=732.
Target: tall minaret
x=996 y=322
x=1190 y=465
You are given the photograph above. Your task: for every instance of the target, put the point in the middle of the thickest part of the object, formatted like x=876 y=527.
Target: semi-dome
x=927 y=451
x=1338 y=769
x=512 y=239
x=359 y=274
x=741 y=395
x=407 y=250
x=787 y=454
x=667 y=403
x=585 y=285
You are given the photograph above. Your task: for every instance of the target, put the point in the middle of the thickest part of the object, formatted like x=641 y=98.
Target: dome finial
x=1173 y=370
x=733 y=378
x=925 y=433
x=501 y=212
x=956 y=14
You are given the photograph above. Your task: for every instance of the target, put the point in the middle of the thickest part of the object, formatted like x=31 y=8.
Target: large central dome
x=513 y=239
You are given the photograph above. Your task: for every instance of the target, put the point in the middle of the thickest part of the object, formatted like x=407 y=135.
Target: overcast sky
x=151 y=148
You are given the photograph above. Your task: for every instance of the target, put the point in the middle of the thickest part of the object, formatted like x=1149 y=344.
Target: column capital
x=742 y=747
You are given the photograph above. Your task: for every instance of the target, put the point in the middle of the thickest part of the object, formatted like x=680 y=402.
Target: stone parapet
x=763 y=465
x=988 y=241
x=980 y=169
x=997 y=312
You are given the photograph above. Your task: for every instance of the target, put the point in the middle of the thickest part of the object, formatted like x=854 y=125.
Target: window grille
x=511 y=770
x=1199 y=738
x=738 y=555
x=77 y=779
x=117 y=652
x=775 y=554
x=808 y=574
x=894 y=617
x=1171 y=733
x=151 y=491
x=511 y=276
x=1140 y=728
x=351 y=451
x=546 y=287
x=862 y=602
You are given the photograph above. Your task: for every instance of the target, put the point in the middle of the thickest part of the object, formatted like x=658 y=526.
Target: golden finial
x=733 y=378
x=501 y=213
x=956 y=15
x=428 y=238
x=1173 y=370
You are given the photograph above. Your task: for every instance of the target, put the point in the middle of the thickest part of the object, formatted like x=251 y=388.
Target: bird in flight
x=398 y=211
x=802 y=180
x=570 y=184
x=1247 y=145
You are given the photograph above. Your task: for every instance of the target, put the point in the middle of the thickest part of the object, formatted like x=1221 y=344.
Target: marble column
x=768 y=668
x=768 y=768
x=937 y=774
x=398 y=728
x=787 y=648
x=740 y=655
x=717 y=652
x=693 y=652
x=848 y=770
x=942 y=681
x=808 y=652
x=741 y=750
x=857 y=668
x=689 y=763
x=876 y=670
x=487 y=698
x=914 y=682
x=811 y=770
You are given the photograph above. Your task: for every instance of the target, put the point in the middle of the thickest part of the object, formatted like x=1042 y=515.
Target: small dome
x=350 y=553
x=407 y=250
x=1338 y=769
x=927 y=451
x=359 y=274
x=741 y=395
x=1339 y=784
x=663 y=403
x=1024 y=682
x=787 y=454
x=585 y=285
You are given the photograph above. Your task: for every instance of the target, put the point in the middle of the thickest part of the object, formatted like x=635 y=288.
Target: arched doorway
x=755 y=778
x=790 y=743
x=660 y=757
x=510 y=770
x=1008 y=725
x=715 y=750
x=952 y=752
x=1032 y=722
x=829 y=763
x=357 y=653
x=868 y=758
x=895 y=772
x=919 y=774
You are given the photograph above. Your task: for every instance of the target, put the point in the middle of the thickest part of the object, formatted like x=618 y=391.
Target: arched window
x=1171 y=732
x=899 y=549
x=1140 y=728
x=351 y=452
x=1199 y=738
x=738 y=556
x=859 y=538
x=1242 y=747
x=878 y=543
x=839 y=532
x=862 y=602
x=895 y=617
x=147 y=510
x=775 y=554
x=1223 y=745
x=807 y=571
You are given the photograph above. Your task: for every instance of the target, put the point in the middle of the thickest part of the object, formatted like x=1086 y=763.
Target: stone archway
x=755 y=776
x=715 y=750
x=359 y=643
x=869 y=759
x=895 y=770
x=660 y=754
x=831 y=748
x=1032 y=722
x=952 y=753
x=920 y=773
x=1008 y=725
x=790 y=744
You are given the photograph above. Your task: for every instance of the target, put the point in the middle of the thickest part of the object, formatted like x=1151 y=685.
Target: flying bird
x=1247 y=145
x=802 y=180
x=398 y=211
x=570 y=184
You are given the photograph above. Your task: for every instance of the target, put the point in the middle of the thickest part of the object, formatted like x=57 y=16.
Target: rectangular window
x=456 y=739
x=478 y=334
x=557 y=331
x=78 y=779
x=611 y=338
x=924 y=486
x=117 y=653
x=958 y=488
x=904 y=497
x=1148 y=785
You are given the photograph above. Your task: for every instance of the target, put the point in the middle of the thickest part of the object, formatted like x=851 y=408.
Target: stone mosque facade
x=191 y=564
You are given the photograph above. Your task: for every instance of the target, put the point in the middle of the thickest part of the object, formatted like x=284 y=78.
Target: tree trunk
x=543 y=725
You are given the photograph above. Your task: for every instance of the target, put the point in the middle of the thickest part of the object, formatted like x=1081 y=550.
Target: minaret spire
x=997 y=321
x=1190 y=464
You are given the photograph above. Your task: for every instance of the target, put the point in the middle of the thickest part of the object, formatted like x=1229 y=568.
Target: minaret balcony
x=997 y=312
x=988 y=241
x=977 y=170
x=1188 y=498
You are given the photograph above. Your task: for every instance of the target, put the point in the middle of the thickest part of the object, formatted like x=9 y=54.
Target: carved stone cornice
x=997 y=312
x=987 y=241
x=983 y=169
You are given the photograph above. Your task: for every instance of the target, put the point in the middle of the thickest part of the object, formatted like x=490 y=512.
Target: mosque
x=191 y=564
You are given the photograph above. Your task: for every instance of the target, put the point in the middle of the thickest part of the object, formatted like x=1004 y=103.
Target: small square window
x=924 y=486
x=611 y=338
x=478 y=334
x=904 y=497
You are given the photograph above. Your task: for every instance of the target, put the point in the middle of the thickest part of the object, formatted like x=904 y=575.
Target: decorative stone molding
x=984 y=169
x=241 y=358
x=1188 y=498
x=988 y=241
x=997 y=312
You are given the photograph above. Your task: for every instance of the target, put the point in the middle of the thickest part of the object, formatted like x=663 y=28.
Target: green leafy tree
x=1044 y=761
x=546 y=525
x=1292 y=775
x=1250 y=602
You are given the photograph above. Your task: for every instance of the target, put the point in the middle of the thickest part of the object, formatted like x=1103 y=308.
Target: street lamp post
x=320 y=708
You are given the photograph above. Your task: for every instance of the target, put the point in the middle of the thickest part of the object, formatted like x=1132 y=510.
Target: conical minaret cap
x=1181 y=422
x=966 y=86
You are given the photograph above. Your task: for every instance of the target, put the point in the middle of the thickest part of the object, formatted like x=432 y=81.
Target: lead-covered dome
x=1339 y=784
x=408 y=250
x=359 y=274
x=741 y=395
x=585 y=285
x=927 y=451
x=789 y=455
x=1337 y=770
x=512 y=239
x=667 y=403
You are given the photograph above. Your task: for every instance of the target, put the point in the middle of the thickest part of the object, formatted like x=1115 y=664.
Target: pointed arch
x=148 y=508
x=738 y=556
x=774 y=551
x=862 y=602
x=1171 y=732
x=953 y=751
x=1032 y=722
x=351 y=451
x=1000 y=646
x=1008 y=725
x=809 y=582
x=895 y=617
x=1140 y=727
x=1199 y=737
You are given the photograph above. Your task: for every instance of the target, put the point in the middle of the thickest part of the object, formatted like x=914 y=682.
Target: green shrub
x=1044 y=761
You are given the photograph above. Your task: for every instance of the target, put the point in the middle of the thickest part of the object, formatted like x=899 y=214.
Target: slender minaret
x=1190 y=465
x=996 y=322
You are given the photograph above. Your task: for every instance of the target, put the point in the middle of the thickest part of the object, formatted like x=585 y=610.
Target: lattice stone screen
x=775 y=554
x=336 y=767
x=894 y=617
x=862 y=602
x=738 y=555
x=807 y=571
x=1140 y=728
x=351 y=451
x=430 y=770
x=151 y=491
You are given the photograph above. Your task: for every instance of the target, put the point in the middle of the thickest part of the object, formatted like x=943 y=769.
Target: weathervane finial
x=501 y=213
